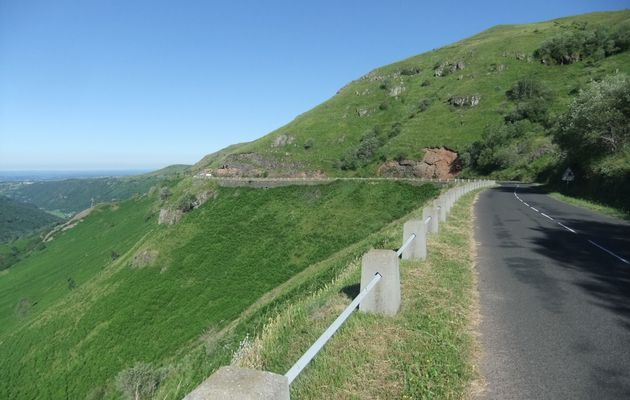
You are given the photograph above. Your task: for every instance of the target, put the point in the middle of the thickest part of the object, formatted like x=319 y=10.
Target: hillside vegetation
x=118 y=289
x=69 y=196
x=17 y=219
x=510 y=90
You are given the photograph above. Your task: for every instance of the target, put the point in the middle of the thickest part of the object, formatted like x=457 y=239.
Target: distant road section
x=554 y=290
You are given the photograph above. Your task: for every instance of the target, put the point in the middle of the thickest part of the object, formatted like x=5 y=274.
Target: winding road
x=554 y=294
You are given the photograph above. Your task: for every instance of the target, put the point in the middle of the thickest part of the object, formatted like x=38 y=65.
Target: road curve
x=554 y=293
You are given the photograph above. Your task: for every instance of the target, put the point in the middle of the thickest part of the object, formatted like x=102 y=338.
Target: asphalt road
x=554 y=292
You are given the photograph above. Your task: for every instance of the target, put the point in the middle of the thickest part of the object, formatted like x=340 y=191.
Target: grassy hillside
x=18 y=219
x=73 y=195
x=118 y=289
x=396 y=111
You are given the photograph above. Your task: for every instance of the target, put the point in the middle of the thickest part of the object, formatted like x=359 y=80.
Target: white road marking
x=572 y=231
x=546 y=216
x=566 y=227
x=609 y=252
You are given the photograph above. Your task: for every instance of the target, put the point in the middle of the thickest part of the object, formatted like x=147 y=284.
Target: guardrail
x=379 y=294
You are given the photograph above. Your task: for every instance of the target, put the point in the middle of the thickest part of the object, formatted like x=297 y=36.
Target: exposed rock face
x=396 y=90
x=464 y=101
x=439 y=162
x=363 y=112
x=444 y=68
x=144 y=258
x=255 y=165
x=169 y=216
x=282 y=140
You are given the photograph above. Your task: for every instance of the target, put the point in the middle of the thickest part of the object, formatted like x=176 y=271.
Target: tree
x=598 y=120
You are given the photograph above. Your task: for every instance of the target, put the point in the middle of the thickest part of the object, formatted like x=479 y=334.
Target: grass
x=591 y=205
x=184 y=309
x=494 y=61
x=425 y=352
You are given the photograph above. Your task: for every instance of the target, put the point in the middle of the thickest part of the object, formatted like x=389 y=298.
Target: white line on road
x=546 y=216
x=609 y=252
x=572 y=231
x=566 y=227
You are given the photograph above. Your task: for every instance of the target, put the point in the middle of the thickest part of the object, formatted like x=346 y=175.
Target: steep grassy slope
x=17 y=219
x=73 y=316
x=408 y=107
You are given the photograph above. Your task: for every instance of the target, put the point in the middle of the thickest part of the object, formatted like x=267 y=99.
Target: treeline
x=592 y=137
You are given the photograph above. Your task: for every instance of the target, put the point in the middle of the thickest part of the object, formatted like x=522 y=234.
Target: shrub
x=424 y=104
x=364 y=153
x=598 y=120
x=410 y=71
x=309 y=144
x=72 y=284
x=139 y=382
x=165 y=193
x=576 y=45
x=528 y=89
x=394 y=130
x=535 y=111
x=186 y=202
x=532 y=101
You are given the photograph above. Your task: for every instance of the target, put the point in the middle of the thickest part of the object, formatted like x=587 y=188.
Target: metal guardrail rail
x=328 y=333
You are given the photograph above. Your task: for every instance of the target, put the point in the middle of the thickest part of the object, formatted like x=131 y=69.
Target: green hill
x=18 y=219
x=69 y=196
x=446 y=97
x=118 y=288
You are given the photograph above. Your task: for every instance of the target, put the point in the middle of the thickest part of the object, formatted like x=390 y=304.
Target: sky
x=144 y=84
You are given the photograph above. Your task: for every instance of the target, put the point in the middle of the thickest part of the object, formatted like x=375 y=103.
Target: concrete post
x=385 y=297
x=232 y=383
x=417 y=249
x=433 y=225
x=440 y=203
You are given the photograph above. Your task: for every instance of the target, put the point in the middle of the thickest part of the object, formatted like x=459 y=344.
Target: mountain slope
x=17 y=219
x=118 y=288
x=446 y=97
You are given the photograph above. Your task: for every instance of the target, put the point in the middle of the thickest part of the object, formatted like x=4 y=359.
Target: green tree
x=597 y=121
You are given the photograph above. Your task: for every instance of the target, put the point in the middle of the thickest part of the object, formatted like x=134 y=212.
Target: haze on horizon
x=115 y=85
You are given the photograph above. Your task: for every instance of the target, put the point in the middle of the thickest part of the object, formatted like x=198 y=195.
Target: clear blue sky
x=144 y=84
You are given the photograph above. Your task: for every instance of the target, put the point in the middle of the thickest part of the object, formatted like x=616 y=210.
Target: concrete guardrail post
x=440 y=204
x=433 y=225
x=385 y=297
x=232 y=383
x=417 y=250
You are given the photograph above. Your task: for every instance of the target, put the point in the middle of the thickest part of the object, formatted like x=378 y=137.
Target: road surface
x=554 y=292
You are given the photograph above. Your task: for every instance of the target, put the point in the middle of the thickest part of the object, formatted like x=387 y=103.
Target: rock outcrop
x=169 y=216
x=464 y=101
x=282 y=140
x=444 y=68
x=440 y=163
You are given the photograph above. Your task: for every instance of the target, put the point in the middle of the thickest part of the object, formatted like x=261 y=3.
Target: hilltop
x=420 y=115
